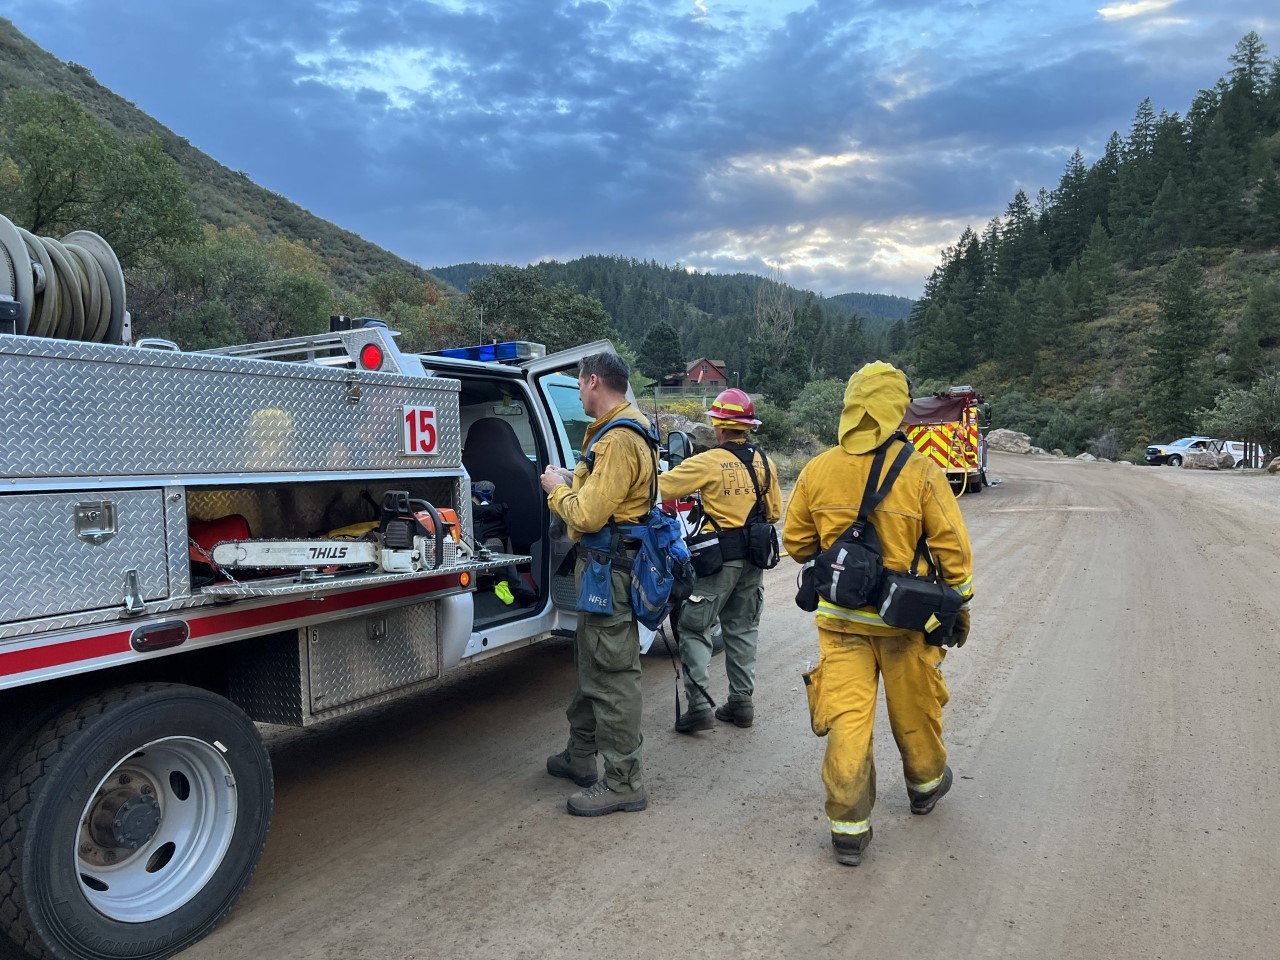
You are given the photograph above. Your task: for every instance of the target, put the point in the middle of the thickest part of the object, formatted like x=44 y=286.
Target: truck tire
x=130 y=824
x=1174 y=461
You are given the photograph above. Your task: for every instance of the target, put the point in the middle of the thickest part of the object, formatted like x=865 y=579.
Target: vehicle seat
x=492 y=452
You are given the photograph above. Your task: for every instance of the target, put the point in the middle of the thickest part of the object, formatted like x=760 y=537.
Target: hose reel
x=69 y=289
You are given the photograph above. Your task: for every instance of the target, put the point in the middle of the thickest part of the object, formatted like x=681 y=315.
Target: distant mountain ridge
x=637 y=293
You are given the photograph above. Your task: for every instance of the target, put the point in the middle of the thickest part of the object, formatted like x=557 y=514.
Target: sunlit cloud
x=1127 y=11
x=401 y=74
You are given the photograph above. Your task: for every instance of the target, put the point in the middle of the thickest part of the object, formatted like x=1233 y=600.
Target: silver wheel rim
x=156 y=829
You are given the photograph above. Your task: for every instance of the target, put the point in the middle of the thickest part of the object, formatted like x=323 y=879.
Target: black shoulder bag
x=760 y=537
x=850 y=573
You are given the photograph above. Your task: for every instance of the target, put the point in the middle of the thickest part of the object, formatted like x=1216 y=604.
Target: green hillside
x=224 y=198
x=1137 y=299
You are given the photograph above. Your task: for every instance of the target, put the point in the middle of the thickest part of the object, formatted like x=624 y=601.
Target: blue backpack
x=662 y=572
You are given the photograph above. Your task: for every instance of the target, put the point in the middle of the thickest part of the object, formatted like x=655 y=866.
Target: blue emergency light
x=506 y=352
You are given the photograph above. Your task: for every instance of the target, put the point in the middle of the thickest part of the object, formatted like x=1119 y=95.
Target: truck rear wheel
x=131 y=823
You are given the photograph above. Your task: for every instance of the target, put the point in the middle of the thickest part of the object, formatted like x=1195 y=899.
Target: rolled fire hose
x=69 y=289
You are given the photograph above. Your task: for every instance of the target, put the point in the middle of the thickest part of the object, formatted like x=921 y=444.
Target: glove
x=959 y=630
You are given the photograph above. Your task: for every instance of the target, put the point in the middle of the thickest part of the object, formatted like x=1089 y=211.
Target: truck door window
x=562 y=390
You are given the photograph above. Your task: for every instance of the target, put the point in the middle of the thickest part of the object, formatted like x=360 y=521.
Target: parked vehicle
x=1172 y=454
x=948 y=428
x=281 y=533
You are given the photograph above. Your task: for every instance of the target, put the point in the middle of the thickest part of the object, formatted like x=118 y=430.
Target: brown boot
x=581 y=770
x=848 y=847
x=600 y=799
x=923 y=803
x=741 y=713
x=692 y=720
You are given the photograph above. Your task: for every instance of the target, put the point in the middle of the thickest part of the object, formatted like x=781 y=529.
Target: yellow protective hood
x=875 y=401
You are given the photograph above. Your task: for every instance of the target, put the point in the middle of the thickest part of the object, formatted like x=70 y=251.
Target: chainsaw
x=410 y=538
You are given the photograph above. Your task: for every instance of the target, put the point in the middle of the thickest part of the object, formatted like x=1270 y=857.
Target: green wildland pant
x=736 y=595
x=604 y=714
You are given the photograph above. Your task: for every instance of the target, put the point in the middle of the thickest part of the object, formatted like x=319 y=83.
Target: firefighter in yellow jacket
x=857 y=647
x=734 y=593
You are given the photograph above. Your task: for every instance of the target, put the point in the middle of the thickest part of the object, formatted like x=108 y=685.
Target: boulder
x=1124 y=463
x=1087 y=457
x=1208 y=460
x=1008 y=441
x=704 y=438
x=1039 y=450
x=1274 y=466
x=1057 y=453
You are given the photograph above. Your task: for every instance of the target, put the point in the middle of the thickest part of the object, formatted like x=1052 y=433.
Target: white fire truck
x=193 y=543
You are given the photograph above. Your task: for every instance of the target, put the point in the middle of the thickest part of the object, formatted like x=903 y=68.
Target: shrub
x=818 y=407
x=776 y=431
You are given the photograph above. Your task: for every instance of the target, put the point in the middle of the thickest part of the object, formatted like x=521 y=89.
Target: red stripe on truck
x=230 y=621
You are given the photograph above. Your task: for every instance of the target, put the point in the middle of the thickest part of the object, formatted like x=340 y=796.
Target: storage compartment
x=66 y=553
x=331 y=668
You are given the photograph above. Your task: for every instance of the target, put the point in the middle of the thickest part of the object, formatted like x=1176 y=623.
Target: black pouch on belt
x=924 y=604
x=705 y=547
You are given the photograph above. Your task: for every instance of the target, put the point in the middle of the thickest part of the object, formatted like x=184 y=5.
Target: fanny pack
x=924 y=604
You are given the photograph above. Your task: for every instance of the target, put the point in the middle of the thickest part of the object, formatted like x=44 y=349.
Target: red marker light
x=159 y=636
x=371 y=356
x=464 y=578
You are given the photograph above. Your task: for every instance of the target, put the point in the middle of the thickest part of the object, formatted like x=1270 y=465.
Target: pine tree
x=660 y=355
x=1179 y=342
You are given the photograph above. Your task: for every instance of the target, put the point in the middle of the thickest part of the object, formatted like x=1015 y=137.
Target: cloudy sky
x=838 y=143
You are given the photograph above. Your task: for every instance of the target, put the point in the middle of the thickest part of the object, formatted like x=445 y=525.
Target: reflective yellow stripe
x=737 y=408
x=853 y=828
x=925 y=787
x=861 y=615
x=965 y=587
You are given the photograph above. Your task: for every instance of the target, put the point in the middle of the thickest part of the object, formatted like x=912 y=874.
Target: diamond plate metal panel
x=49 y=570
x=352 y=660
x=95 y=410
x=267 y=678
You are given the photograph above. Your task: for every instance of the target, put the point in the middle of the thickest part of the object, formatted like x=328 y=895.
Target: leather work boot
x=581 y=770
x=741 y=713
x=599 y=799
x=848 y=847
x=692 y=720
x=922 y=803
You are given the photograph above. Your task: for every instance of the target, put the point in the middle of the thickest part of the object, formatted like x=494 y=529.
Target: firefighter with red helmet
x=739 y=491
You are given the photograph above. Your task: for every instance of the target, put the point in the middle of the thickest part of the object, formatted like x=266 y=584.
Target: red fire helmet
x=734 y=406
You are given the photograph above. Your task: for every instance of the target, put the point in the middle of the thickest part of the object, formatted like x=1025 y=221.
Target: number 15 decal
x=419 y=431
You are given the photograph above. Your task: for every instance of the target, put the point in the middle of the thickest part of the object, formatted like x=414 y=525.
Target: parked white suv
x=1173 y=453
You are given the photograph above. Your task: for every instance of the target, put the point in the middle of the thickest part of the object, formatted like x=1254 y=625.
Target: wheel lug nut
x=146 y=790
x=125 y=778
x=109 y=856
x=86 y=849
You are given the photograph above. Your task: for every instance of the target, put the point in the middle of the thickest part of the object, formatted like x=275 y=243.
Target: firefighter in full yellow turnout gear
x=857 y=647
x=734 y=593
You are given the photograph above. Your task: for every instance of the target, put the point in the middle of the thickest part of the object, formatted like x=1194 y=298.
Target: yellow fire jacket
x=727 y=492
x=829 y=491
x=620 y=486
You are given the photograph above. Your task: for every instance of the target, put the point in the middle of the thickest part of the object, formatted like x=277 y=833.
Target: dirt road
x=1113 y=729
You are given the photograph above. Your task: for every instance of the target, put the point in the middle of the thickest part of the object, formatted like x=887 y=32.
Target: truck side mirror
x=679 y=447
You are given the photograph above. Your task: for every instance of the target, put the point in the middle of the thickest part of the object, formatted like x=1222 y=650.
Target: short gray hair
x=614 y=371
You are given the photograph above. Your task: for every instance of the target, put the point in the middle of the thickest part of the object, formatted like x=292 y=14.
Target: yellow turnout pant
x=844 y=688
